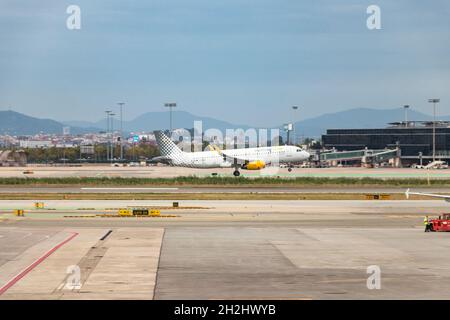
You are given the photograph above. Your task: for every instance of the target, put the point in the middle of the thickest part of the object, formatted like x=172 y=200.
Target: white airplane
x=433 y=195
x=249 y=158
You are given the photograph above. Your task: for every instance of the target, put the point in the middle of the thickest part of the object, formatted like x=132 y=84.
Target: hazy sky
x=243 y=61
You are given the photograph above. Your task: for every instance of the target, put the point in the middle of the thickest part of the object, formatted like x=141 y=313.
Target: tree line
x=138 y=152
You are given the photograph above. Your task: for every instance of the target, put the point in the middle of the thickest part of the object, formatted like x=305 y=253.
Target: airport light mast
x=406 y=107
x=112 y=136
x=434 y=101
x=294 y=108
x=121 y=129
x=170 y=106
x=108 y=112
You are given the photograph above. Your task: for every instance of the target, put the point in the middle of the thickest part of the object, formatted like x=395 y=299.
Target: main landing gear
x=236 y=173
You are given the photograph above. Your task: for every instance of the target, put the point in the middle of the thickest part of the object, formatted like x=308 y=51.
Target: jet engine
x=254 y=165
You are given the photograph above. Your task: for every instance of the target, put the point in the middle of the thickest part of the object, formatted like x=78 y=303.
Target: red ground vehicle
x=441 y=224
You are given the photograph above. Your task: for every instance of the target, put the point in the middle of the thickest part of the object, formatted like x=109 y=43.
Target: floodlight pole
x=434 y=101
x=294 y=108
x=406 y=107
x=107 y=133
x=112 y=136
x=121 y=129
x=170 y=106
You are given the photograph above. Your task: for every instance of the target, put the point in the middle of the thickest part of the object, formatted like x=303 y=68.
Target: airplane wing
x=229 y=158
x=433 y=195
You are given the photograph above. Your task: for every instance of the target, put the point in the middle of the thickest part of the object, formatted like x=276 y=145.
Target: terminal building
x=414 y=139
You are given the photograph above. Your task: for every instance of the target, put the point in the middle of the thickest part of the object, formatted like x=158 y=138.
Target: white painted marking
x=129 y=188
x=23 y=273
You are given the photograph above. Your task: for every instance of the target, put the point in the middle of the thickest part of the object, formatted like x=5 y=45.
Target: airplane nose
x=307 y=154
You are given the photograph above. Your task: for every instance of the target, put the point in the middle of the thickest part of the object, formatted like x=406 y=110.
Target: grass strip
x=197 y=196
x=223 y=181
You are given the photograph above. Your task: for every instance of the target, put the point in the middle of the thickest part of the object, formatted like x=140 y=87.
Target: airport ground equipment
x=19 y=212
x=139 y=212
x=378 y=196
x=436 y=165
x=39 y=205
x=441 y=224
x=155 y=213
x=125 y=212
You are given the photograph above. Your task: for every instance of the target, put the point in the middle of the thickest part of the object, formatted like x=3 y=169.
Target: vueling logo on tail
x=166 y=145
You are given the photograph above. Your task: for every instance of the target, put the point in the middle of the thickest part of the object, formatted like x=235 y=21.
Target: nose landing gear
x=236 y=173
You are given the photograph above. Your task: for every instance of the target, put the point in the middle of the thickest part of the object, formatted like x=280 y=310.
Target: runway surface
x=226 y=250
x=171 y=172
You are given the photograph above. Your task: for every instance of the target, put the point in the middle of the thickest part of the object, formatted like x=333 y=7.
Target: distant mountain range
x=357 y=119
x=15 y=123
x=159 y=121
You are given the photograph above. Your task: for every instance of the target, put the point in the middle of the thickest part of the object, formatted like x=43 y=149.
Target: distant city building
x=8 y=141
x=66 y=131
x=64 y=145
x=35 y=144
x=135 y=138
x=87 y=149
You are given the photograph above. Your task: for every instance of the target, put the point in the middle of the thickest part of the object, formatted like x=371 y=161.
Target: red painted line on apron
x=22 y=274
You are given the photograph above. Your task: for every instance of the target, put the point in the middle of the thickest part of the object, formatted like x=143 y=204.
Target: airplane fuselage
x=213 y=159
